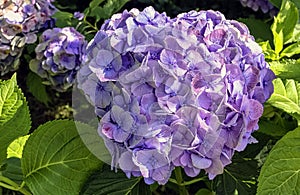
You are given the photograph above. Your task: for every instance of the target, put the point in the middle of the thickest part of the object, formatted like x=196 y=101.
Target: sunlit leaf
x=55 y=160
x=281 y=171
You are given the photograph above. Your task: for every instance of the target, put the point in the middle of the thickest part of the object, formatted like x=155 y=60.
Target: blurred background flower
x=58 y=57
x=19 y=23
x=264 y=5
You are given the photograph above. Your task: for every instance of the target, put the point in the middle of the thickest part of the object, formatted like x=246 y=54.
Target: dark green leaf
x=238 y=178
x=55 y=160
x=258 y=28
x=110 y=7
x=204 y=191
x=276 y=3
x=12 y=169
x=271 y=128
x=281 y=171
x=108 y=182
x=95 y=3
x=37 y=88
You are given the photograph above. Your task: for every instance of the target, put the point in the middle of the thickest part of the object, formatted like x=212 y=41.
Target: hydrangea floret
x=59 y=56
x=264 y=5
x=185 y=92
x=20 y=20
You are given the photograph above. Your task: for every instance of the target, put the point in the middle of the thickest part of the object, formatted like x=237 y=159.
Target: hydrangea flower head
x=182 y=92
x=24 y=17
x=58 y=57
x=19 y=22
x=10 y=52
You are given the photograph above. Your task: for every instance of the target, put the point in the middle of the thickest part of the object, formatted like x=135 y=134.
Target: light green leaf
x=55 y=161
x=10 y=99
x=296 y=34
x=286 y=69
x=278 y=37
x=37 y=88
x=268 y=51
x=15 y=149
x=291 y=50
x=285 y=97
x=284 y=23
x=281 y=171
x=17 y=121
x=110 y=182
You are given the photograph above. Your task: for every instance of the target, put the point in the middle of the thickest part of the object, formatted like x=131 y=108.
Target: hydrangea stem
x=9 y=184
x=179 y=179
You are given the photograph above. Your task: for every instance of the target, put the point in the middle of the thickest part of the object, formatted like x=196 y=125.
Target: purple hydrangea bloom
x=10 y=52
x=264 y=5
x=182 y=92
x=78 y=15
x=58 y=57
x=24 y=17
x=19 y=22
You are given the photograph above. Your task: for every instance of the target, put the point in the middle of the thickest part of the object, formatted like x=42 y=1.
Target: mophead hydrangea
x=59 y=55
x=187 y=91
x=20 y=20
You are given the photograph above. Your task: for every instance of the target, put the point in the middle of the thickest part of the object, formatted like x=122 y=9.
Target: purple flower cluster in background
x=20 y=20
x=264 y=5
x=182 y=92
x=59 y=56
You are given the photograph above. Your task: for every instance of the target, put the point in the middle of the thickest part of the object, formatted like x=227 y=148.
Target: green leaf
x=285 y=96
x=238 y=178
x=278 y=36
x=64 y=19
x=204 y=191
x=281 y=171
x=55 y=161
x=286 y=69
x=110 y=7
x=296 y=34
x=268 y=51
x=95 y=3
x=12 y=169
x=107 y=181
x=37 y=88
x=10 y=99
x=258 y=28
x=15 y=149
x=284 y=24
x=271 y=128
x=291 y=50
x=17 y=121
x=276 y=3
x=93 y=142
